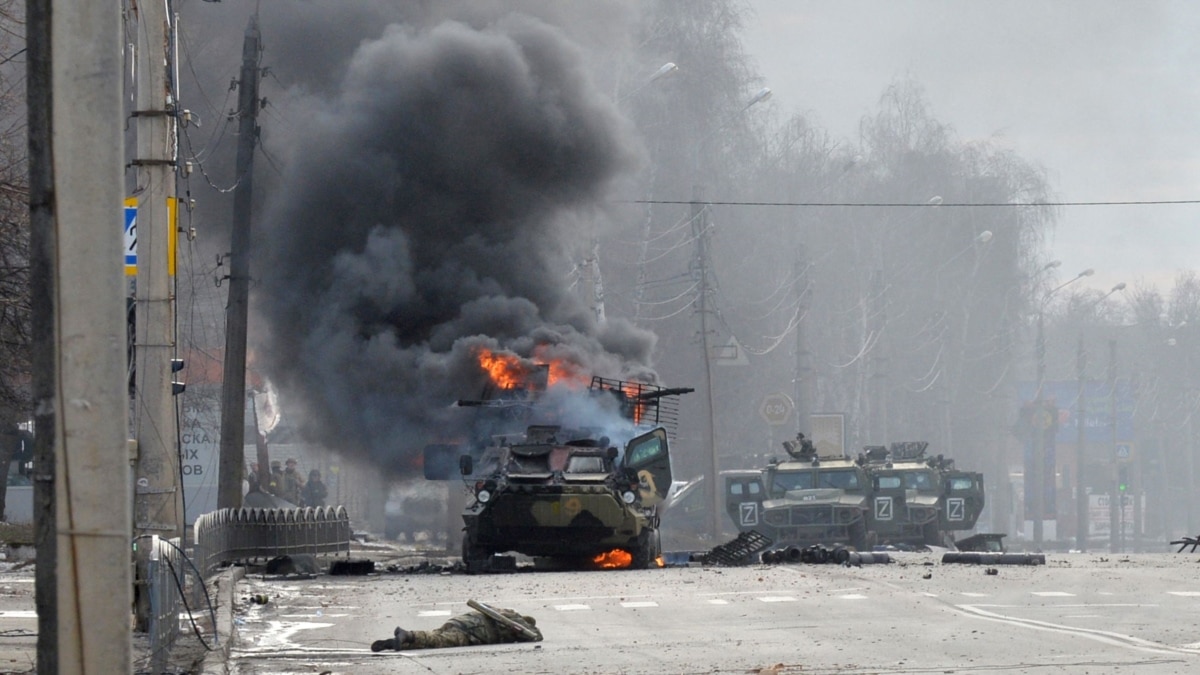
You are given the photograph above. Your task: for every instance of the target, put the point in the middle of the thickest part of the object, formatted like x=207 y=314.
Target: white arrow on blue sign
x=130 y=236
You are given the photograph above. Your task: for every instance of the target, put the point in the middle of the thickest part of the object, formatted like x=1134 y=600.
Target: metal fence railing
x=243 y=535
x=168 y=576
x=226 y=536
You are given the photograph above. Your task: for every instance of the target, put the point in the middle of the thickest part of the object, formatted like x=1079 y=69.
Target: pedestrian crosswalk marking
x=571 y=608
x=975 y=595
x=1053 y=594
x=718 y=601
x=640 y=603
x=776 y=598
x=434 y=612
x=853 y=596
x=1185 y=594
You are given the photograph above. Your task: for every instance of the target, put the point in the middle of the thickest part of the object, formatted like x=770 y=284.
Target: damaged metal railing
x=244 y=535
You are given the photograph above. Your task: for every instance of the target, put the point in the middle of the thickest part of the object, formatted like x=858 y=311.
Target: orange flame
x=509 y=371
x=632 y=390
x=614 y=559
x=506 y=370
x=660 y=562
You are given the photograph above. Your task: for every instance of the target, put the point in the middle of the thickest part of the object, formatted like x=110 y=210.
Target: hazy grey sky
x=1101 y=93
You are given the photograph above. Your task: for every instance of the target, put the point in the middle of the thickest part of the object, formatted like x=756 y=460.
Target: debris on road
x=351 y=568
x=818 y=554
x=1185 y=542
x=739 y=551
x=994 y=558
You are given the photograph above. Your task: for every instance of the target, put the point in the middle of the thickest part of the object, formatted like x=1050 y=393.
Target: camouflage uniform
x=465 y=630
x=290 y=483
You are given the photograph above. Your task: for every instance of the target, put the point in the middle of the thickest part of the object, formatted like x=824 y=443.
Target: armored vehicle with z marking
x=918 y=500
x=894 y=496
x=806 y=499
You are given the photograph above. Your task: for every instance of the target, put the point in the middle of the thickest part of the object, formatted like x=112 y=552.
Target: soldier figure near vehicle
x=290 y=483
x=465 y=630
x=314 y=492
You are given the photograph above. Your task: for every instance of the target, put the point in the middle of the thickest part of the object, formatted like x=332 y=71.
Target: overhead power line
x=940 y=205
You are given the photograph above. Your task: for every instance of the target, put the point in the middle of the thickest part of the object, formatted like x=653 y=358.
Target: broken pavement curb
x=217 y=661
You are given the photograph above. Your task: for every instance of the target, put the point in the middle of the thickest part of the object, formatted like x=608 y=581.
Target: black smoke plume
x=427 y=210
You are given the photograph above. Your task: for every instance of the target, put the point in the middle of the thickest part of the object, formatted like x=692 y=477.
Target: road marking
x=641 y=603
x=718 y=601
x=776 y=598
x=1053 y=594
x=434 y=612
x=18 y=614
x=1185 y=594
x=1105 y=637
x=976 y=595
x=930 y=595
x=853 y=596
x=571 y=608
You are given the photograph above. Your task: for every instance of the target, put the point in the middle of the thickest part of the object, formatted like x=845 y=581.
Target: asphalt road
x=1080 y=613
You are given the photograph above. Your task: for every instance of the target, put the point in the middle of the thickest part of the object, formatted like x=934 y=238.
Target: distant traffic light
x=1122 y=477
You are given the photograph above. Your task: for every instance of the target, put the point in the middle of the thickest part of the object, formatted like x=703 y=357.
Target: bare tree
x=15 y=406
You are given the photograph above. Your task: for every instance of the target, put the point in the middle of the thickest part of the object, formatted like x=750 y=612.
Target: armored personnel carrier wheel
x=475 y=558
x=649 y=548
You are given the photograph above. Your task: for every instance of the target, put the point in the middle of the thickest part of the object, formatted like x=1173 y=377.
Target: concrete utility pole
x=880 y=374
x=1036 y=480
x=82 y=508
x=700 y=232
x=1115 y=508
x=804 y=376
x=1081 y=497
x=158 y=497
x=233 y=389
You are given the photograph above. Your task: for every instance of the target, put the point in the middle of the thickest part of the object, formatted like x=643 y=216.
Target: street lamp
x=667 y=69
x=587 y=272
x=1081 y=498
x=950 y=379
x=1040 y=423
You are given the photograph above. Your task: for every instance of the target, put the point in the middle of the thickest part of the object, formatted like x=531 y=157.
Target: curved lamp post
x=1081 y=498
x=1038 y=479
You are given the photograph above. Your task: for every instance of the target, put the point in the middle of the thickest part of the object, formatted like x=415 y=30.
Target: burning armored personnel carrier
x=891 y=495
x=568 y=491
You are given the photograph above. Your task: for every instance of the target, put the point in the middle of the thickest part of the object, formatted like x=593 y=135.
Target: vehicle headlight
x=628 y=497
x=483 y=496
